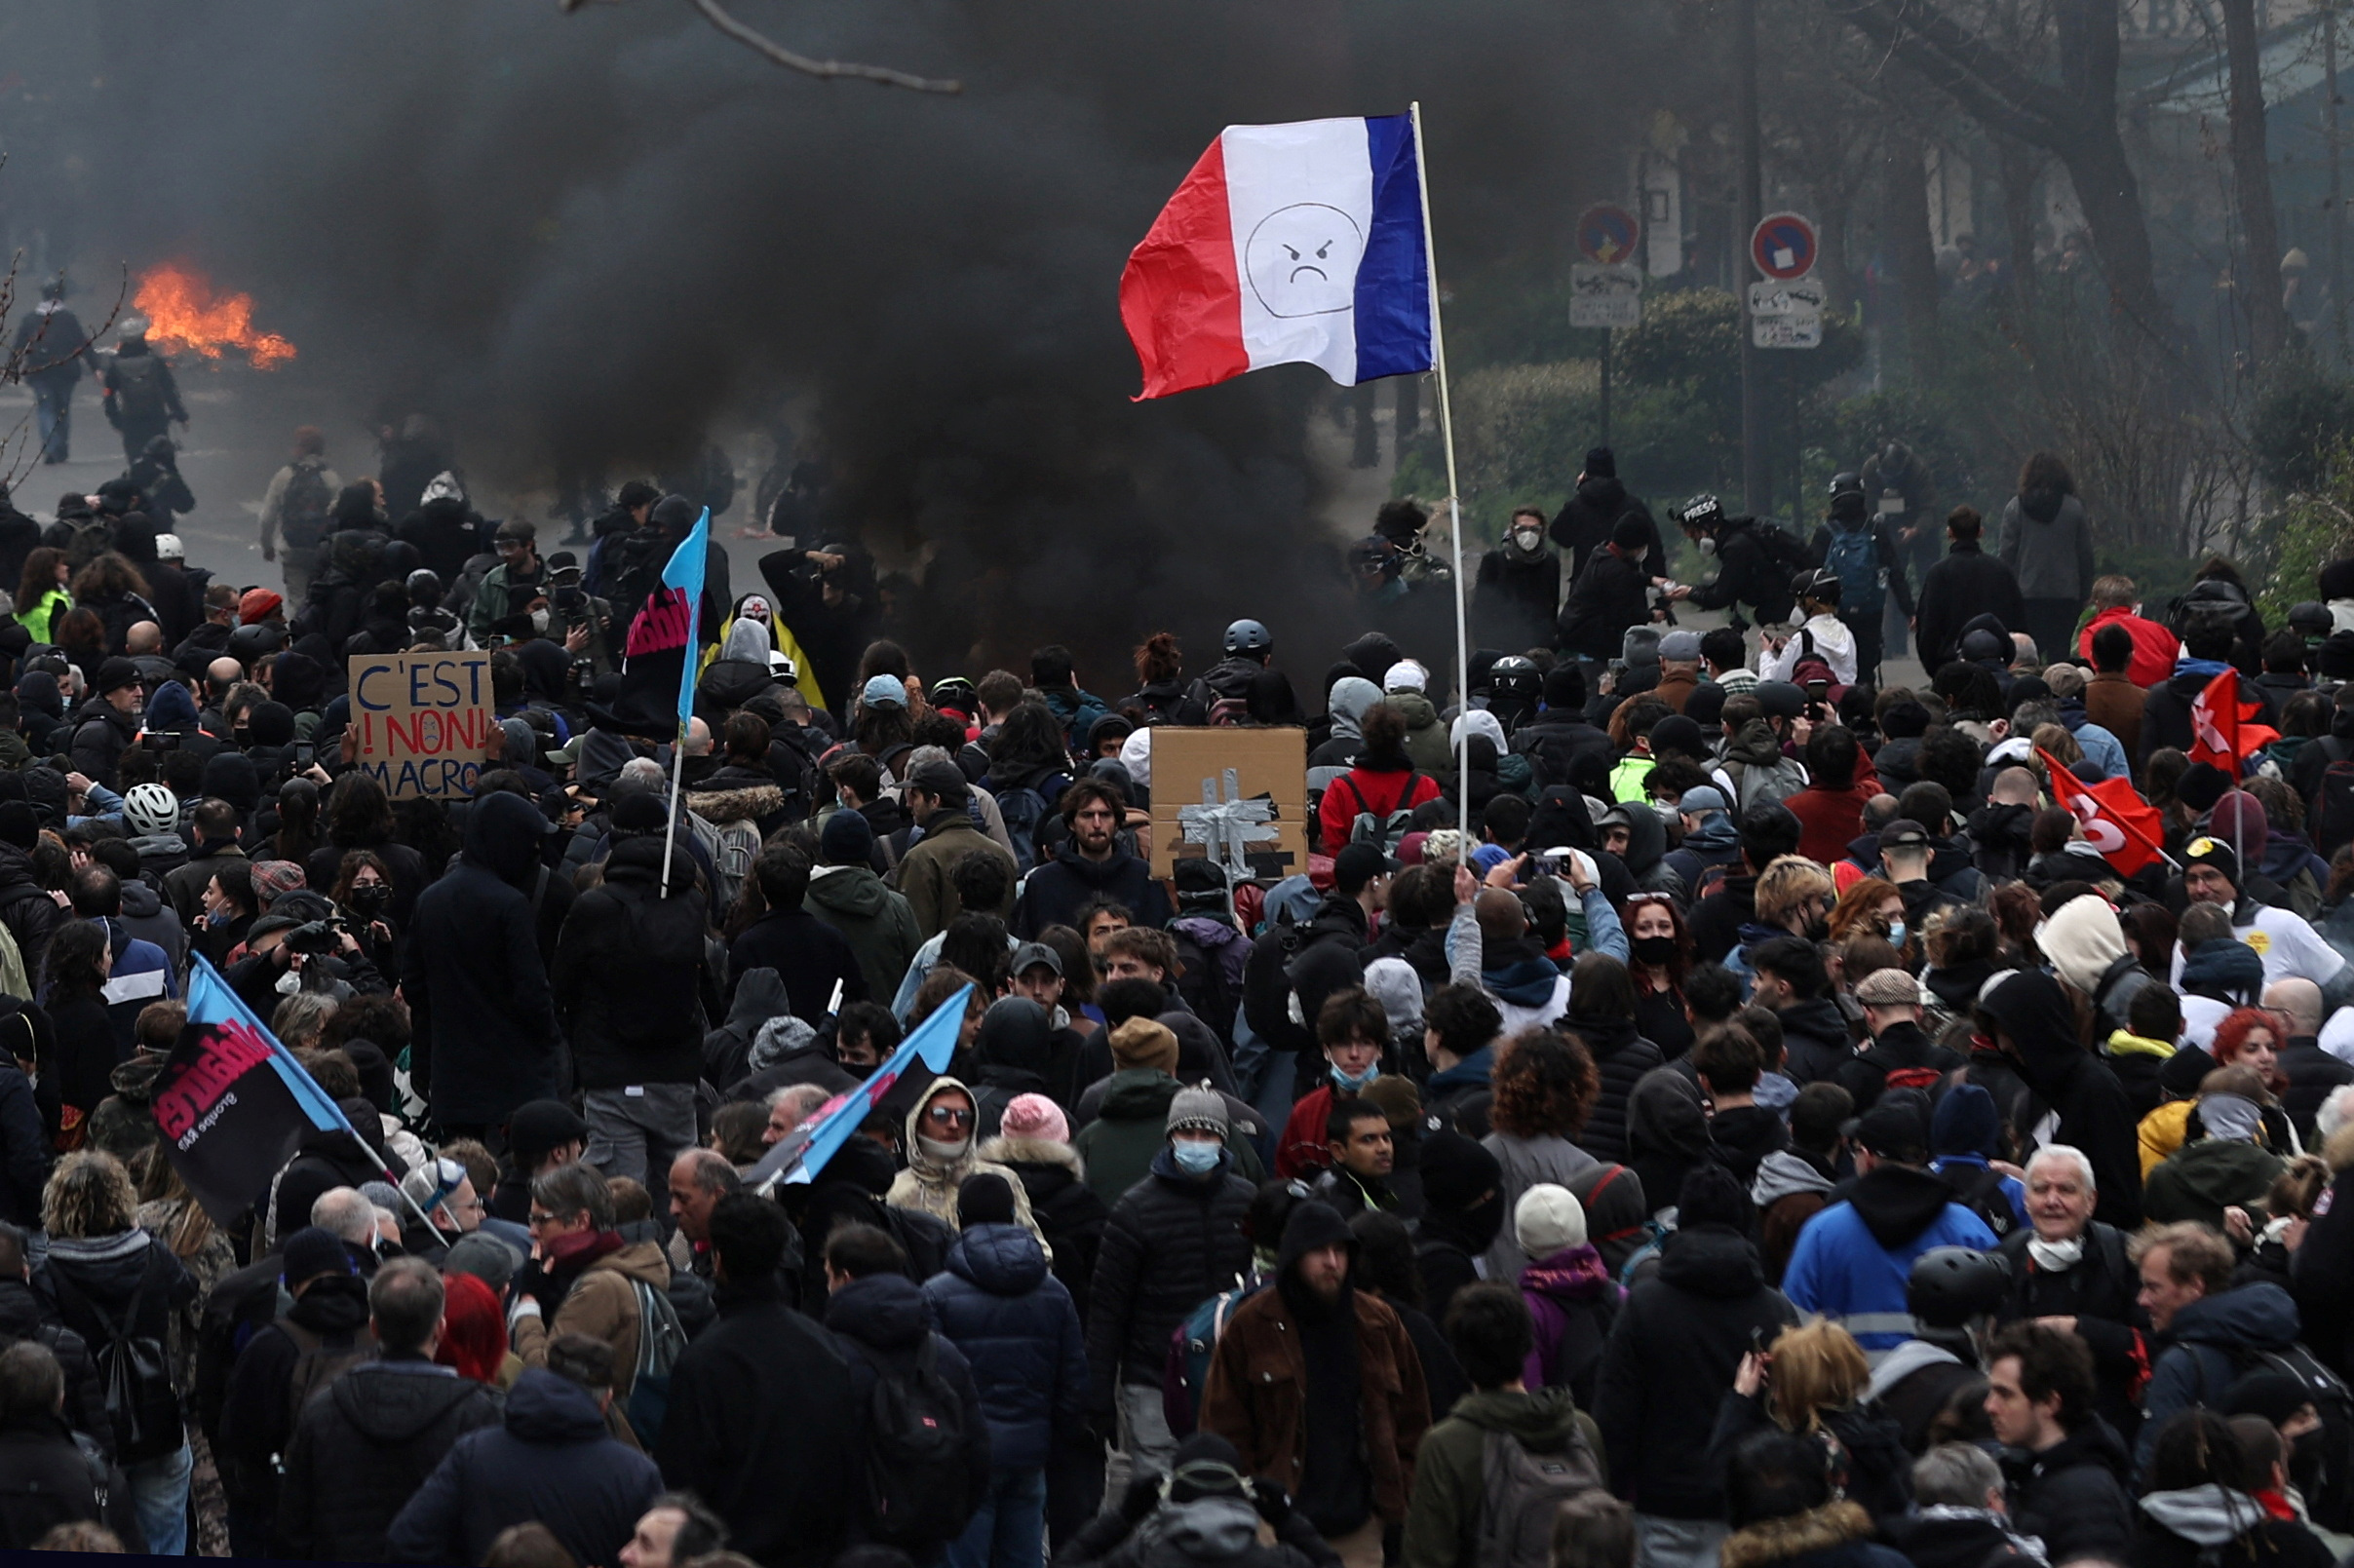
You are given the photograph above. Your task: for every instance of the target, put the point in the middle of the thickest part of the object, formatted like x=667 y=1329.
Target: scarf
x=2056 y=1257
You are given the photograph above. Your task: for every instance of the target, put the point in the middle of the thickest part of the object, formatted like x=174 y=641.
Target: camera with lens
x=569 y=601
x=313 y=938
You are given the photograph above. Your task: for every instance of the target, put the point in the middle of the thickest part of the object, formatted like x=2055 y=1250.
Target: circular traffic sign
x=1608 y=234
x=1783 y=246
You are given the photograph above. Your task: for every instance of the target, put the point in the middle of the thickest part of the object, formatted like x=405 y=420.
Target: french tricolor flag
x=1300 y=241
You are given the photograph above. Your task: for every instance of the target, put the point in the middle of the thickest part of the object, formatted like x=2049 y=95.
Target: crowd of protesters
x=1693 y=1107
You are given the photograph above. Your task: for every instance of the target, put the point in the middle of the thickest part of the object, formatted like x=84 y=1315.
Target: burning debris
x=183 y=312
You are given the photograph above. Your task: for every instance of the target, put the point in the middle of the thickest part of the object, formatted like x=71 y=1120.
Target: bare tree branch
x=761 y=44
x=1979 y=78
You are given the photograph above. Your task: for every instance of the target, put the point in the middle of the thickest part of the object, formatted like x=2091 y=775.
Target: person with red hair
x=2246 y=1035
x=474 y=1331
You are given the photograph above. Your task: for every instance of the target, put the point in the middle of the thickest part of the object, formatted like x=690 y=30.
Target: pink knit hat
x=1035 y=1116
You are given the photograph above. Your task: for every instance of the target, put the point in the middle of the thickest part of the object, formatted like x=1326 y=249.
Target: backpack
x=138 y=388
x=732 y=847
x=661 y=1340
x=1201 y=980
x=2332 y=815
x=1023 y=811
x=319 y=1362
x=1187 y=1373
x=1228 y=712
x=1382 y=831
x=925 y=1238
x=915 y=1463
x=1786 y=550
x=1522 y=1492
x=1980 y=1192
x=303 y=511
x=1853 y=556
x=2330 y=1498
x=136 y=1375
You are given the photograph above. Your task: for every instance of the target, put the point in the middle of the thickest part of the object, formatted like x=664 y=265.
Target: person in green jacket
x=41 y=596
x=1131 y=1121
x=2228 y=1170
x=1447 y=1517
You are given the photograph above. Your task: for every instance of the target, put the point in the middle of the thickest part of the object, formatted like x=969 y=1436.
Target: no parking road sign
x=1784 y=246
x=1608 y=234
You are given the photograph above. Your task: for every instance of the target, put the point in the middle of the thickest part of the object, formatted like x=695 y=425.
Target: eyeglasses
x=949 y=1116
x=540 y=1216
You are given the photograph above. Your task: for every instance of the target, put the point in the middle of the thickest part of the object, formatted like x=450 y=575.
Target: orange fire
x=184 y=313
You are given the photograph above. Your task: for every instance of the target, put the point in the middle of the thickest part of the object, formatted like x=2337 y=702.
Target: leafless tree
x=768 y=49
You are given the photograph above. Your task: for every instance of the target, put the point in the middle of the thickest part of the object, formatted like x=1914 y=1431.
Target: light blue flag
x=932 y=1042
x=686 y=573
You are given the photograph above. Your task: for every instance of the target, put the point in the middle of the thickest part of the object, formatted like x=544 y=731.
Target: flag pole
x=669 y=825
x=1454 y=501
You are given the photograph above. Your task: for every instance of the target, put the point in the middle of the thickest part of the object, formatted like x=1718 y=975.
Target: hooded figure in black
x=1584 y=525
x=1014 y=1054
x=2037 y=1031
x=1462 y=1214
x=1519 y=587
x=1667 y=1133
x=480 y=1008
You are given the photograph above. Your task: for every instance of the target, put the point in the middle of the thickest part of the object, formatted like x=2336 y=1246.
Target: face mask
x=1197 y=1158
x=289 y=984
x=1525 y=539
x=942 y=1153
x=1708 y=546
x=2056 y=1257
x=1896 y=934
x=1655 y=951
x=1818 y=929
x=539 y=620
x=1355 y=1085
x=369 y=898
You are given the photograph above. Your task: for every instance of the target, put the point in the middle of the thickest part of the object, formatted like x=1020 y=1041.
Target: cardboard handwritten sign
x=423 y=721
x=1230 y=793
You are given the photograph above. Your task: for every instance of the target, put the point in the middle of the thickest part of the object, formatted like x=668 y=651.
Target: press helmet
x=1516 y=676
x=151 y=809
x=1248 y=637
x=1952 y=1284
x=1846 y=484
x=1701 y=511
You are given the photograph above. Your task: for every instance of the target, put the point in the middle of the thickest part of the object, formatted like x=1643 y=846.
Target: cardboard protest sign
x=1239 y=796
x=423 y=721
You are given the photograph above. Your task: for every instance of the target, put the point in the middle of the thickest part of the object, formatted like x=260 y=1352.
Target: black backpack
x=915 y=1463
x=136 y=1375
x=302 y=512
x=1786 y=550
x=1201 y=981
x=2330 y=1498
x=138 y=388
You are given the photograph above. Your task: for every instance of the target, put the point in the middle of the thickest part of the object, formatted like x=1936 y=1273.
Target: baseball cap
x=1700 y=798
x=522 y=528
x=167 y=547
x=1681 y=647
x=1032 y=954
x=1405 y=675
x=1358 y=864
x=884 y=691
x=1904 y=833
x=1892 y=1130
x=942 y=780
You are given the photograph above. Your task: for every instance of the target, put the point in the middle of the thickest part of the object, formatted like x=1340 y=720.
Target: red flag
x=2117 y=821
x=2219 y=733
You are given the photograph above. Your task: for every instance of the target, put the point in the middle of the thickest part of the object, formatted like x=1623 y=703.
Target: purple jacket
x=1574 y=1300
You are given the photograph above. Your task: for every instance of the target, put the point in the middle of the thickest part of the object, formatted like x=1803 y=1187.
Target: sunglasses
x=947 y=1116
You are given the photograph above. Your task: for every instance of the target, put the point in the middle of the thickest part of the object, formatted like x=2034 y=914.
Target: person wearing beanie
x=1132 y=1117
x=2212 y=873
x=1570 y=1294
x=1175 y=1237
x=1317 y=1386
x=1854 y=1261
x=1965 y=1139
x=1678 y=1338
x=875 y=919
x=323 y=1334
x=1213 y=1514
x=1463 y=1212
x=1033 y=1142
x=1557 y=739
x=109 y=722
x=999 y=1303
x=942 y=1138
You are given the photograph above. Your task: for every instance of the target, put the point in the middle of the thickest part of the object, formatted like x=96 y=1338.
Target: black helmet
x=1702 y=511
x=1514 y=677
x=1248 y=637
x=1952 y=1284
x=1846 y=484
x=250 y=644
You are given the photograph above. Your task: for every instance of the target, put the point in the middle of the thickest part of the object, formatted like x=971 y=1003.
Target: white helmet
x=151 y=809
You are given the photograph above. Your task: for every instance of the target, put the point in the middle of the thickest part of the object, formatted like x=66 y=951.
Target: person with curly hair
x=1544 y=1082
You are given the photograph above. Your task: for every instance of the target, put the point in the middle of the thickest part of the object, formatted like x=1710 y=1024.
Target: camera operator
x=362 y=898
x=301 y=945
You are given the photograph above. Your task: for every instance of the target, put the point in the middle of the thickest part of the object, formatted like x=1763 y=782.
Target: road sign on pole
x=1608 y=234
x=1785 y=315
x=1784 y=246
x=1604 y=296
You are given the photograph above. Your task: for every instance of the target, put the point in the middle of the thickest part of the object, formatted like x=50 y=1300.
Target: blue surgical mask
x=1197 y=1158
x=1355 y=1085
x=1896 y=934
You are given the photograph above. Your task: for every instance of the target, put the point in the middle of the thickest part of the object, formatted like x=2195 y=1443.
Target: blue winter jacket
x=1854 y=1260
x=2204 y=1346
x=999 y=1303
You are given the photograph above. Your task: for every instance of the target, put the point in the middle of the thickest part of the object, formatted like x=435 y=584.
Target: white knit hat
x=1548 y=1219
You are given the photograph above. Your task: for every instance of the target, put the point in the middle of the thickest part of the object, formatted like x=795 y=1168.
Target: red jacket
x=1830 y=820
x=1382 y=794
x=2153 y=645
x=1303 y=1151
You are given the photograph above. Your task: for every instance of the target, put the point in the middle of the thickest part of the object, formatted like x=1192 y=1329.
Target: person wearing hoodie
x=998 y=1303
x=2204 y=1326
x=2036 y=1033
x=1678 y=1338
x=2047 y=543
x=1384 y=776
x=1491 y=1333
x=360 y=1452
x=1602 y=1014
x=2227 y=1168
x=1130 y=1129
x=1174 y=1240
x=1317 y=1386
x=2086 y=946
x=1033 y=1142
x=1572 y=1297
x=1347 y=702
x=482 y=1016
x=1709 y=838
x=2067 y=1472
x=1796 y=1184
x=1204 y=1513
x=1463 y=1211
x=1519 y=584
x=1585 y=523
x=552 y=1459
x=943 y=1130
x=1018 y=1051
x=1609 y=592
x=1403 y=688
x=1854 y=1260
x=584 y=1278
x=2204 y=1505
x=1898 y=1054
x=844 y=893
x=1091 y=864
x=1965 y=1139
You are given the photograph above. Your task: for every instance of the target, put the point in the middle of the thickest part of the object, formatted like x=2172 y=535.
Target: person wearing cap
x=1089 y=864
x=1317 y=1386
x=1678 y=667
x=1709 y=839
x=936 y=797
x=1174 y=1240
x=1518 y=586
x=509 y=587
x=997 y=1302
x=2286 y=942
x=844 y=893
x=481 y=1012
x=1405 y=689
x=1854 y=1260
x=1820 y=634
x=109 y=722
x=1898 y=1054
x=1907 y=849
x=322 y=1335
x=1610 y=592
x=2228 y=1170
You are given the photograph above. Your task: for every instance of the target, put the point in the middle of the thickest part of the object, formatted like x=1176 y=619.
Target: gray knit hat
x=1201 y=1110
